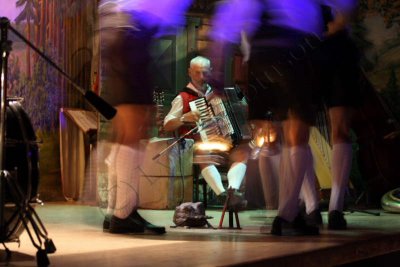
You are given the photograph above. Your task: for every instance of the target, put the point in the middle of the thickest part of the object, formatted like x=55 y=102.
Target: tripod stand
x=352 y=210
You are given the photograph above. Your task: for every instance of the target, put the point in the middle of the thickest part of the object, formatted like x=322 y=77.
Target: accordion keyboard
x=207 y=129
x=223 y=118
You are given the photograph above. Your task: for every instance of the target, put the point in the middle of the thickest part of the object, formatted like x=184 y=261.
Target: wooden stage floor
x=77 y=233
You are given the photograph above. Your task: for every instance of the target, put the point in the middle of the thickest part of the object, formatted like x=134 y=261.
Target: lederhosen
x=278 y=82
x=125 y=64
x=336 y=63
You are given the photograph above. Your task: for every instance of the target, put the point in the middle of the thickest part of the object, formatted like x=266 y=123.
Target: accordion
x=224 y=118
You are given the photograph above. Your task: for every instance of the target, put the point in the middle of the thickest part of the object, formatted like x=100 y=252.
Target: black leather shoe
x=314 y=218
x=106 y=223
x=124 y=226
x=298 y=227
x=135 y=216
x=336 y=220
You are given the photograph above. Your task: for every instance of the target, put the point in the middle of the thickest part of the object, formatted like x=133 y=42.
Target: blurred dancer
x=266 y=147
x=128 y=28
x=281 y=33
x=337 y=65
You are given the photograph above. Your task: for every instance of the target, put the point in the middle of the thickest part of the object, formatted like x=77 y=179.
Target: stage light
x=265 y=138
x=213 y=146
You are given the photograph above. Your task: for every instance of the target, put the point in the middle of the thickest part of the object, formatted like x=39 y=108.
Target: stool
x=230 y=213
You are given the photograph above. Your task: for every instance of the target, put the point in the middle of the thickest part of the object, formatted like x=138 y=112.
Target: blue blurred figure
x=278 y=38
x=127 y=29
x=336 y=63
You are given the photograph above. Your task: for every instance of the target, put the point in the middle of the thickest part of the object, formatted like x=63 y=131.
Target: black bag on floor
x=191 y=214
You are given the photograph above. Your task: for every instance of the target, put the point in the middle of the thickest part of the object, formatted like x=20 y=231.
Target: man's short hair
x=200 y=61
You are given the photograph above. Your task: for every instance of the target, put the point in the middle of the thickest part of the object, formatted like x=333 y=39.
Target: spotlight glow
x=213 y=146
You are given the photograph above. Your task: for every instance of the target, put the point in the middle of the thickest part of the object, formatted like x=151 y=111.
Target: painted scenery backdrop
x=63 y=30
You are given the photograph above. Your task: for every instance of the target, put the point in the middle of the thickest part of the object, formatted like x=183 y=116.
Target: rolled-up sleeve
x=176 y=109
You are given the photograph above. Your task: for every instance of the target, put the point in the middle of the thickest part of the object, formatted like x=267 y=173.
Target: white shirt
x=176 y=110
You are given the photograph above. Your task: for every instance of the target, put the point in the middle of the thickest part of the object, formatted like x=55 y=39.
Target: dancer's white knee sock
x=341 y=166
x=128 y=161
x=236 y=174
x=213 y=179
x=112 y=178
x=269 y=172
x=293 y=169
x=308 y=189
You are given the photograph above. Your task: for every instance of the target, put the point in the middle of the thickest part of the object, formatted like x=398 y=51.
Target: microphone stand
x=180 y=139
x=96 y=101
x=198 y=128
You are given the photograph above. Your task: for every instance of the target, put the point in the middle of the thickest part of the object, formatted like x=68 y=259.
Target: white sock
x=213 y=179
x=112 y=178
x=341 y=165
x=128 y=161
x=236 y=174
x=269 y=172
x=293 y=169
x=308 y=189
